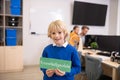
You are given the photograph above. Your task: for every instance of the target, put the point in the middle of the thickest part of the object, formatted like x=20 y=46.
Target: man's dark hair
x=85 y=27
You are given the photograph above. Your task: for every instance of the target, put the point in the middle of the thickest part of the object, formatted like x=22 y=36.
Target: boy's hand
x=59 y=72
x=50 y=72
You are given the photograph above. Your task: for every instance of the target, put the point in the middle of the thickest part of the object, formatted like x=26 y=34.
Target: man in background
x=84 y=31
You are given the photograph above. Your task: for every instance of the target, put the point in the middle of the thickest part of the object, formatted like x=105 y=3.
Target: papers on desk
x=101 y=57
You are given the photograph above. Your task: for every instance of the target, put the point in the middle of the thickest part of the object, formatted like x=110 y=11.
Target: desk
x=109 y=67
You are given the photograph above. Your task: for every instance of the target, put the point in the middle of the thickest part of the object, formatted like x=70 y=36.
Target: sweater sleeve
x=44 y=54
x=74 y=40
x=76 y=64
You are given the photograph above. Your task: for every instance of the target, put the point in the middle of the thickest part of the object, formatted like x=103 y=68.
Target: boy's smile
x=58 y=37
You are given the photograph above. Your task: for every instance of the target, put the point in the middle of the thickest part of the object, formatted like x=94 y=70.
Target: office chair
x=82 y=74
x=93 y=67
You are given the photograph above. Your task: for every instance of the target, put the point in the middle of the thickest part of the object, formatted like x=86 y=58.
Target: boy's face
x=58 y=37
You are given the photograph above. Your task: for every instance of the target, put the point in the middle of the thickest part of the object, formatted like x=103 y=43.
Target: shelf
x=9 y=15
x=11 y=37
x=1 y=36
x=1 y=20
x=1 y=26
x=8 y=8
x=1 y=14
x=1 y=43
x=13 y=21
x=8 y=20
x=16 y=27
x=17 y=38
x=1 y=6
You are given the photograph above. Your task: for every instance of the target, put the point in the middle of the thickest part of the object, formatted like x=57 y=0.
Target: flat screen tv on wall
x=85 y=13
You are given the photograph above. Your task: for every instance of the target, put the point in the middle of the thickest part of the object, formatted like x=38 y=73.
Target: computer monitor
x=85 y=13
x=89 y=39
x=108 y=43
x=105 y=42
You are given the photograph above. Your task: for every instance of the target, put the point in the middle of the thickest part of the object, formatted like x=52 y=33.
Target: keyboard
x=104 y=54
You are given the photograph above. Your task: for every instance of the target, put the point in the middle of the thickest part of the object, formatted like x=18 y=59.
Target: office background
x=34 y=44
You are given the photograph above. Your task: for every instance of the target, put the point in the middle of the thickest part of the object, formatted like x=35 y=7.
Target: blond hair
x=57 y=25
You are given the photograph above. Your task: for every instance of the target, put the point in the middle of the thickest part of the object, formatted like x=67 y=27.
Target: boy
x=60 y=50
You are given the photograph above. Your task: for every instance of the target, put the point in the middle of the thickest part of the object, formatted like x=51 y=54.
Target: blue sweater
x=63 y=53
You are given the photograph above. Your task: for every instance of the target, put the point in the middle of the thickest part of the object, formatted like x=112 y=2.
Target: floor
x=79 y=77
x=32 y=73
x=29 y=73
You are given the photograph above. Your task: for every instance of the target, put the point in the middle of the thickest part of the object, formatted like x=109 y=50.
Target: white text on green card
x=50 y=63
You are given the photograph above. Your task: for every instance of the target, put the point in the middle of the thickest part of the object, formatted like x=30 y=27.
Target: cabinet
x=11 y=47
x=2 y=59
x=13 y=59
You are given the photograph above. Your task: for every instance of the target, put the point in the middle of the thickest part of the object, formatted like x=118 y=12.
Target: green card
x=50 y=63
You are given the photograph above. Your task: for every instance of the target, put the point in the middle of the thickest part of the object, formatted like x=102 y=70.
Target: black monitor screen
x=105 y=42
x=89 y=39
x=109 y=43
x=89 y=14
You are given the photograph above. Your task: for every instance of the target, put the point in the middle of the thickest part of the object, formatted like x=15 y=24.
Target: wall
x=113 y=17
x=34 y=44
x=41 y=15
x=118 y=19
